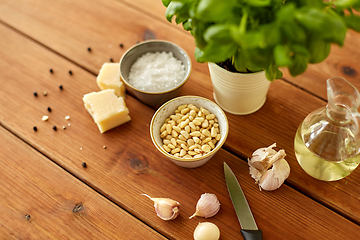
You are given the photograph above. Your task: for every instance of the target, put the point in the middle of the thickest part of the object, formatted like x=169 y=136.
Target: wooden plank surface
x=117 y=172
x=39 y=200
x=97 y=24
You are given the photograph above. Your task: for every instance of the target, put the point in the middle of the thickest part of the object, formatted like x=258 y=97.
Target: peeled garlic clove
x=206 y=231
x=207 y=206
x=166 y=208
x=276 y=176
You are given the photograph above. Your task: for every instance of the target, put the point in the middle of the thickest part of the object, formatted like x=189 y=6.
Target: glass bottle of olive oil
x=327 y=142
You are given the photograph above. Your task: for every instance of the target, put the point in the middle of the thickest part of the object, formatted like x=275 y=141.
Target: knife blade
x=249 y=229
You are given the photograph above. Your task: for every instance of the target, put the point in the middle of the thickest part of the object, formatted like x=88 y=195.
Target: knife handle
x=251 y=234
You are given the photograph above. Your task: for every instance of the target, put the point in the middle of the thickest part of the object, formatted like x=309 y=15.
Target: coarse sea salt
x=156 y=72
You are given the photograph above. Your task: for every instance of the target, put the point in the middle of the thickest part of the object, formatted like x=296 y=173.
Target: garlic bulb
x=269 y=168
x=206 y=231
x=166 y=208
x=207 y=206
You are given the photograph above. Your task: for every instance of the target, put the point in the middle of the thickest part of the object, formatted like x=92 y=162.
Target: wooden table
x=46 y=193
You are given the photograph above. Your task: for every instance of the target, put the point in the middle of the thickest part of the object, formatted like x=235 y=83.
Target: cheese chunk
x=109 y=78
x=107 y=110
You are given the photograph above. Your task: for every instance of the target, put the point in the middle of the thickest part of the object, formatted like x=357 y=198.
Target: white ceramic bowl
x=153 y=99
x=169 y=108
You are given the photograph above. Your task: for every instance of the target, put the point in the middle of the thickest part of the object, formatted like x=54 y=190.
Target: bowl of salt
x=154 y=71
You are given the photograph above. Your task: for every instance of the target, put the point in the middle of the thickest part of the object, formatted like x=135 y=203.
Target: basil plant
x=256 y=35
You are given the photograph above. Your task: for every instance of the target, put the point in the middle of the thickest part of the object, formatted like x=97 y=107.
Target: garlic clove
x=276 y=176
x=269 y=168
x=206 y=231
x=166 y=208
x=207 y=206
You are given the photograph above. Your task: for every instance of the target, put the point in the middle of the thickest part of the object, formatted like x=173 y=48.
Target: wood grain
x=39 y=200
x=130 y=164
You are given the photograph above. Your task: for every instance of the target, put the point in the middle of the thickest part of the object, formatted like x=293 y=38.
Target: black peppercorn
x=121 y=45
x=51 y=70
x=61 y=87
x=49 y=109
x=35 y=94
x=55 y=128
x=83 y=164
x=89 y=49
x=111 y=60
x=70 y=72
x=35 y=128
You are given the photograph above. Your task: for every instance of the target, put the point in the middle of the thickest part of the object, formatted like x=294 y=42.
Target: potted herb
x=261 y=36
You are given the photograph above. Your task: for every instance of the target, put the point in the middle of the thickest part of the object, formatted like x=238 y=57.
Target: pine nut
x=195 y=134
x=210 y=117
x=166 y=148
x=174 y=133
x=176 y=128
x=206 y=148
x=185 y=134
x=168 y=128
x=206 y=133
x=190 y=132
x=173 y=142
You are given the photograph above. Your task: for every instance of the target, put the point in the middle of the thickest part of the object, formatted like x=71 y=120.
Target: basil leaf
x=353 y=22
x=220 y=33
x=214 y=10
x=319 y=49
x=173 y=9
x=215 y=52
x=198 y=32
x=240 y=62
x=299 y=64
x=344 y=3
x=282 y=55
x=187 y=25
x=258 y=3
x=272 y=72
x=326 y=25
x=198 y=55
x=166 y=2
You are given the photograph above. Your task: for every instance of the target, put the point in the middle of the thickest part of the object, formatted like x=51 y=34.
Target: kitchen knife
x=249 y=229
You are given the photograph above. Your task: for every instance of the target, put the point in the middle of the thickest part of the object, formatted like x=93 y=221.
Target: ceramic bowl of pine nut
x=154 y=71
x=189 y=130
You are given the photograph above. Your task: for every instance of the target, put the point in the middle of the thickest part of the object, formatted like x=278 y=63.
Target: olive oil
x=325 y=168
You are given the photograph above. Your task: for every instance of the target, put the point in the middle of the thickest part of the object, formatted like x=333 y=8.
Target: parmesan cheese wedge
x=109 y=78
x=107 y=110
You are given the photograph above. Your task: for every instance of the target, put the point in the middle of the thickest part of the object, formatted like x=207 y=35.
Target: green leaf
x=198 y=55
x=326 y=25
x=187 y=25
x=173 y=9
x=272 y=72
x=215 y=52
x=258 y=3
x=299 y=65
x=293 y=32
x=240 y=62
x=198 y=32
x=344 y=3
x=319 y=49
x=214 y=10
x=166 y=2
x=179 y=19
x=353 y=22
x=220 y=33
x=286 y=14
x=282 y=55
